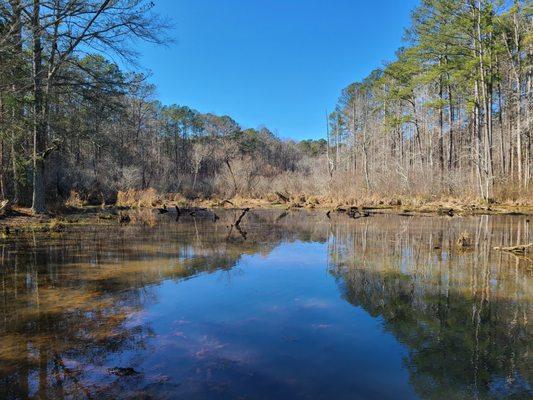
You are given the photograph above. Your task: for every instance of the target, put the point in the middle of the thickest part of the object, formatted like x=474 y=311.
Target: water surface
x=295 y=306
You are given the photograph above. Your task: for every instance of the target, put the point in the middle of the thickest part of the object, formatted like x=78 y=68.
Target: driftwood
x=5 y=207
x=446 y=211
x=222 y=202
x=236 y=224
x=282 y=197
x=519 y=249
x=354 y=213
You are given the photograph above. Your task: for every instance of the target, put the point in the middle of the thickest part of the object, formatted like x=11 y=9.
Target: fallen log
x=5 y=208
x=221 y=204
x=519 y=249
x=282 y=197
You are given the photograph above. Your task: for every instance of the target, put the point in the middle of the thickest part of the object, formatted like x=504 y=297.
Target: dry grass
x=139 y=198
x=74 y=200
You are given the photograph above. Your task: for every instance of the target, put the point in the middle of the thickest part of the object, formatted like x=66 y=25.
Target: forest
x=448 y=117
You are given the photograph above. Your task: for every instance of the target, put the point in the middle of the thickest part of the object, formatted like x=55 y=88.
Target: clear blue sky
x=278 y=63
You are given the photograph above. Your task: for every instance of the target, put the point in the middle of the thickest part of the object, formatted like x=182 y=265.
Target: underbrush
x=285 y=198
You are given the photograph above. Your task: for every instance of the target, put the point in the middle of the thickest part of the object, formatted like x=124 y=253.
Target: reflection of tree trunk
x=43 y=372
x=59 y=390
x=24 y=371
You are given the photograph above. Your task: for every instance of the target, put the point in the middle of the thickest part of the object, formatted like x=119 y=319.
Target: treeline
x=72 y=120
x=450 y=116
x=452 y=113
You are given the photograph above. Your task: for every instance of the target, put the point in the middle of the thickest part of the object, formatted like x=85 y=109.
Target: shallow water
x=295 y=306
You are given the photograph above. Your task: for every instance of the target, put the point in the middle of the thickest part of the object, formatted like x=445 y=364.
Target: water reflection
x=196 y=308
x=463 y=315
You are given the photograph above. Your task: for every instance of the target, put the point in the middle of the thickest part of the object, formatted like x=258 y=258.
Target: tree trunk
x=39 y=124
x=502 y=135
x=17 y=109
x=2 y=183
x=328 y=145
x=441 y=132
x=451 y=158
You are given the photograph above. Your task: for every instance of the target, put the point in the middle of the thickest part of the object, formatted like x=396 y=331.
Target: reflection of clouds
x=321 y=326
x=313 y=302
x=208 y=345
x=136 y=318
x=87 y=304
x=180 y=322
x=276 y=308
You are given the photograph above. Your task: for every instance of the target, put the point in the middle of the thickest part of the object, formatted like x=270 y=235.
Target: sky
x=274 y=63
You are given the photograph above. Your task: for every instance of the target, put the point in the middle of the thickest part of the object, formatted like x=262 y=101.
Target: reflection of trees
x=462 y=315
x=66 y=299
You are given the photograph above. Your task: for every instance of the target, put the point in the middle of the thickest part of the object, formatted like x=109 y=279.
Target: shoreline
x=21 y=219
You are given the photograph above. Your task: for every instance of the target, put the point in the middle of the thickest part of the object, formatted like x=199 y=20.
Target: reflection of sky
x=272 y=316
x=274 y=324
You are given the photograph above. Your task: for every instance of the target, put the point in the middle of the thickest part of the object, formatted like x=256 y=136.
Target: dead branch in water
x=242 y=232
x=244 y=211
x=520 y=249
x=282 y=215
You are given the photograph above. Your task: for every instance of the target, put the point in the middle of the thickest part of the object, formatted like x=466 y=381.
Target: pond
x=290 y=306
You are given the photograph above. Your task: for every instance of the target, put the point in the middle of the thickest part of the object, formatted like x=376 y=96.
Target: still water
x=294 y=306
